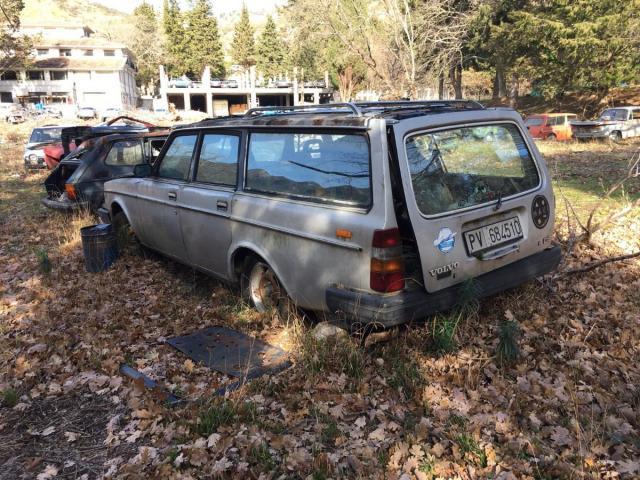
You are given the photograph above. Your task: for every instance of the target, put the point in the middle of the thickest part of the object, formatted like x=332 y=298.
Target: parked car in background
x=382 y=211
x=182 y=82
x=216 y=83
x=314 y=84
x=16 y=115
x=229 y=84
x=77 y=181
x=112 y=112
x=550 y=126
x=283 y=84
x=87 y=113
x=73 y=136
x=613 y=123
x=40 y=138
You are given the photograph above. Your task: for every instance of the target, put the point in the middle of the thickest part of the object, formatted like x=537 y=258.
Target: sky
x=219 y=6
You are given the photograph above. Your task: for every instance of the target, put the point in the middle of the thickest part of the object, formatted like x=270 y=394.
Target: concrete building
x=71 y=66
x=220 y=98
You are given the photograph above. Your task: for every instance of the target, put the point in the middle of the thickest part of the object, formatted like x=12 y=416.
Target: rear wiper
x=498 y=203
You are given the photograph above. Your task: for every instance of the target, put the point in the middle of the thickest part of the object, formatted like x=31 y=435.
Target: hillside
x=107 y=22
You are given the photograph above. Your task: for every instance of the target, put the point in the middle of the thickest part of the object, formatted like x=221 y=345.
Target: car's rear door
x=206 y=202
x=159 y=197
x=470 y=180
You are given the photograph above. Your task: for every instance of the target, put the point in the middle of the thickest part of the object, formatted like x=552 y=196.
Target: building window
x=9 y=75
x=59 y=74
x=65 y=52
x=6 y=97
x=88 y=53
x=43 y=51
x=109 y=53
x=35 y=75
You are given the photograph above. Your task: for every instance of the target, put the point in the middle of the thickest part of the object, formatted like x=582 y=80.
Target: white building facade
x=70 y=66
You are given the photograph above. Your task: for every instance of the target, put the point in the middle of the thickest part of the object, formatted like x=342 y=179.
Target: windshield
x=42 y=135
x=614 y=114
x=464 y=167
x=533 y=122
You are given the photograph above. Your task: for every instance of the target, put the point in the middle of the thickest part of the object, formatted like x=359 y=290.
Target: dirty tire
x=552 y=137
x=125 y=236
x=615 y=136
x=262 y=289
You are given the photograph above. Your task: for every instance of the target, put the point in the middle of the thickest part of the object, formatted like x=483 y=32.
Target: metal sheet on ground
x=231 y=352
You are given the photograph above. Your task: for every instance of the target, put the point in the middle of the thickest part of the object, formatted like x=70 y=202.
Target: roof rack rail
x=324 y=108
x=412 y=104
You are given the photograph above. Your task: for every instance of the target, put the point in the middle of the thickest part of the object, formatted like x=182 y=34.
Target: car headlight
x=33 y=157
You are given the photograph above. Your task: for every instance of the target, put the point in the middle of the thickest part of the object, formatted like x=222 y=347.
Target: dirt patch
x=66 y=434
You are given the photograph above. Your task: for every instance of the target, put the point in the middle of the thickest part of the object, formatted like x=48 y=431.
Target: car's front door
x=207 y=202
x=161 y=196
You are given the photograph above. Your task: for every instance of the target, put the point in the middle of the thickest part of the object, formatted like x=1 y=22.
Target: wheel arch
x=240 y=252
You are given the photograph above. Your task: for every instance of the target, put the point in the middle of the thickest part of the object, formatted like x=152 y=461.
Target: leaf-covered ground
x=444 y=399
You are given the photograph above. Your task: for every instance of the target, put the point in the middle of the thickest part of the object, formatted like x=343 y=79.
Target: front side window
x=464 y=167
x=177 y=159
x=127 y=152
x=218 y=162
x=323 y=167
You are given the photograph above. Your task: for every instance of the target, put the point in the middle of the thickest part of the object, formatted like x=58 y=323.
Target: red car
x=550 y=126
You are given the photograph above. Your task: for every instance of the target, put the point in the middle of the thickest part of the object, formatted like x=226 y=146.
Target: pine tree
x=203 y=41
x=243 y=47
x=145 y=47
x=270 y=50
x=175 y=47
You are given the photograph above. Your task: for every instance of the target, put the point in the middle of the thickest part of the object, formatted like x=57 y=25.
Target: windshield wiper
x=498 y=203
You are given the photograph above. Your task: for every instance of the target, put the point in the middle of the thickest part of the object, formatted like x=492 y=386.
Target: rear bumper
x=395 y=309
x=63 y=204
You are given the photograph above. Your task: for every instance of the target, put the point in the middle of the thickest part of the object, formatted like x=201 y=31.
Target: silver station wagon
x=381 y=211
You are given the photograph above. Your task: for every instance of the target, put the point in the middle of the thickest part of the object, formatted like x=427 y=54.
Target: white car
x=87 y=113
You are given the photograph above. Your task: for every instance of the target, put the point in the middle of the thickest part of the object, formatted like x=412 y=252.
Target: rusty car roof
x=354 y=115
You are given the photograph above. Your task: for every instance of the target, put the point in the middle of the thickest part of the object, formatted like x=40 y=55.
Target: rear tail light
x=387 y=268
x=70 y=188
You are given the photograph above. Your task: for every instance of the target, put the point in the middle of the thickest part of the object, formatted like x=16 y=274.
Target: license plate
x=488 y=236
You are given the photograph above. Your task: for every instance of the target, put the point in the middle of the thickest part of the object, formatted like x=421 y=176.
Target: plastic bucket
x=100 y=247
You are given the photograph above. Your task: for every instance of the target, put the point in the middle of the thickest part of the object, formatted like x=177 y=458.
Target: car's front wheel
x=125 y=236
x=615 y=136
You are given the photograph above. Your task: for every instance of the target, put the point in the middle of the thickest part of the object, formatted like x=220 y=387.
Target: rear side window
x=127 y=152
x=218 y=161
x=176 y=161
x=323 y=167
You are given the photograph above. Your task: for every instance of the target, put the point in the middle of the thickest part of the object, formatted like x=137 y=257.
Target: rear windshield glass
x=318 y=167
x=41 y=135
x=533 y=122
x=463 y=167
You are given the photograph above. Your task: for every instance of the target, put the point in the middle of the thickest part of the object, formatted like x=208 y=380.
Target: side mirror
x=142 y=170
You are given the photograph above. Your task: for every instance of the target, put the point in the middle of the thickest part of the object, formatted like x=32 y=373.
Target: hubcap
x=264 y=288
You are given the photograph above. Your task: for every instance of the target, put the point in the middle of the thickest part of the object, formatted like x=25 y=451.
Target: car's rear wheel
x=262 y=289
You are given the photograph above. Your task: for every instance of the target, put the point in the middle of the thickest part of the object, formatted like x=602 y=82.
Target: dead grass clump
x=339 y=354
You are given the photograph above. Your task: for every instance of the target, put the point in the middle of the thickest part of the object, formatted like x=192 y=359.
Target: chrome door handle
x=172 y=195
x=222 y=205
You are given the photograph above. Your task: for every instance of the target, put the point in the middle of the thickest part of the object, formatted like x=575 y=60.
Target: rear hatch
x=473 y=182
